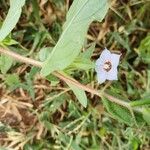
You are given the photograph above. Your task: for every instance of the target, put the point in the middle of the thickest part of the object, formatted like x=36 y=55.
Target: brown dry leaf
x=17 y=140
x=100 y=110
x=10 y=110
x=103 y=31
x=47 y=13
x=40 y=131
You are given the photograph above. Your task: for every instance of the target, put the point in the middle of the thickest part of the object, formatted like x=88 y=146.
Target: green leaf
x=88 y=52
x=144 y=49
x=134 y=143
x=12 y=80
x=54 y=104
x=54 y=80
x=122 y=41
x=11 y=18
x=66 y=140
x=144 y=101
x=8 y=41
x=80 y=94
x=79 y=17
x=29 y=81
x=121 y=113
x=118 y=112
x=5 y=63
x=82 y=63
x=44 y=52
x=146 y=115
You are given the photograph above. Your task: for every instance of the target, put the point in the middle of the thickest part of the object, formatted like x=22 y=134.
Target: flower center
x=107 y=66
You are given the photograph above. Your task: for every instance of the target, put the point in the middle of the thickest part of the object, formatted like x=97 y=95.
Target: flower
x=106 y=66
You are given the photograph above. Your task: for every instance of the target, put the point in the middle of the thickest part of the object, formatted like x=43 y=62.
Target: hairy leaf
x=44 y=52
x=12 y=80
x=120 y=113
x=5 y=63
x=11 y=18
x=80 y=94
x=79 y=17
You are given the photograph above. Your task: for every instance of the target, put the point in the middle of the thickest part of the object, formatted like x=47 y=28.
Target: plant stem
x=63 y=77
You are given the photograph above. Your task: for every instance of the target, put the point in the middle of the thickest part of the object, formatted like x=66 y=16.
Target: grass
x=38 y=113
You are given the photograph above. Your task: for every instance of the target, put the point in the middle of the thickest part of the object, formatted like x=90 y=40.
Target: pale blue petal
x=105 y=55
x=101 y=76
x=115 y=59
x=112 y=74
x=99 y=64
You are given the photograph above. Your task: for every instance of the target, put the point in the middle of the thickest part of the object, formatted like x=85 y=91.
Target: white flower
x=106 y=66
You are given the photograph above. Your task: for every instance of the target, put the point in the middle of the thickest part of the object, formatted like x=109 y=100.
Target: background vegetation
x=38 y=113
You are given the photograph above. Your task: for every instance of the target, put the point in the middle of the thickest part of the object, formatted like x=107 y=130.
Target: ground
x=42 y=113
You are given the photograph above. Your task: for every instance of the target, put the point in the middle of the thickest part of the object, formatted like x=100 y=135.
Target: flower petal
x=112 y=74
x=99 y=64
x=115 y=59
x=105 y=55
x=101 y=76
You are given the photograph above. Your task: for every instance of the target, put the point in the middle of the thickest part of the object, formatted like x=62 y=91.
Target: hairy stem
x=64 y=78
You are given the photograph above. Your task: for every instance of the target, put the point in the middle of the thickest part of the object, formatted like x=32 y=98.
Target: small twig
x=20 y=58
x=64 y=78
